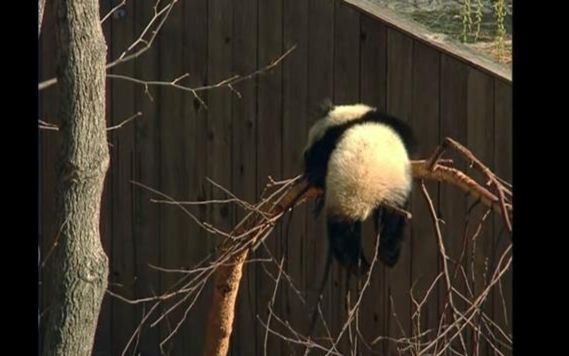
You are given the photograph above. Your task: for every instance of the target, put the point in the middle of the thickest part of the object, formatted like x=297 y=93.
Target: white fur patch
x=369 y=166
x=338 y=115
x=344 y=113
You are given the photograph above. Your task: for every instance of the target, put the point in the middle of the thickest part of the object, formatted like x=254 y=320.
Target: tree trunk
x=80 y=269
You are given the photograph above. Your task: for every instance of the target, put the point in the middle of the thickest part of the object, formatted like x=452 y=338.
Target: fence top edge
x=421 y=33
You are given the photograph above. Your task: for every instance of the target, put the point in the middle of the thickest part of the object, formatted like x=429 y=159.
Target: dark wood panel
x=121 y=172
x=219 y=115
x=174 y=167
x=48 y=152
x=269 y=152
x=244 y=150
x=295 y=80
x=346 y=91
x=503 y=168
x=400 y=104
x=195 y=116
x=425 y=262
x=480 y=140
x=373 y=91
x=146 y=171
x=452 y=202
x=320 y=86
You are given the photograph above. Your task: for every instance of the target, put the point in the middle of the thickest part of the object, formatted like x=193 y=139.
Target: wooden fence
x=349 y=51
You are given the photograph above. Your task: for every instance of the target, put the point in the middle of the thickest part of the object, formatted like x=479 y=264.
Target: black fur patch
x=344 y=238
x=325 y=107
x=391 y=226
x=317 y=157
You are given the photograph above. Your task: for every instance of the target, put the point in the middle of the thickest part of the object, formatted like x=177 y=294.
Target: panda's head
x=334 y=115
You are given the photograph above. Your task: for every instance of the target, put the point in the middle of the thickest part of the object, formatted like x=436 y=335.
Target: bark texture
x=80 y=266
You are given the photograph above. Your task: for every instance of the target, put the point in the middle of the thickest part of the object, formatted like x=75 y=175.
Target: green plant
x=466 y=20
x=478 y=21
x=500 y=13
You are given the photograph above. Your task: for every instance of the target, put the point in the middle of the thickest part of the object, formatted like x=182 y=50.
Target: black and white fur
x=360 y=157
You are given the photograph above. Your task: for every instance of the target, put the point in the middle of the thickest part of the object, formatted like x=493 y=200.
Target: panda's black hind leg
x=391 y=225
x=344 y=238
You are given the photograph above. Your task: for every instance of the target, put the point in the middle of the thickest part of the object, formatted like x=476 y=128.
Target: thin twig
x=118 y=6
x=228 y=82
x=47 y=126
x=124 y=122
x=129 y=53
x=271 y=303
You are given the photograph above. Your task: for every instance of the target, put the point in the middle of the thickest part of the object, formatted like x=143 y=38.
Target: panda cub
x=360 y=157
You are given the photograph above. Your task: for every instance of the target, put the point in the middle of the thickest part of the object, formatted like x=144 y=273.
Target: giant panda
x=360 y=157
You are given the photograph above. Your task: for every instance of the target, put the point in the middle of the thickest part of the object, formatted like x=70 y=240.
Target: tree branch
x=160 y=17
x=118 y=6
x=227 y=277
x=225 y=83
x=124 y=122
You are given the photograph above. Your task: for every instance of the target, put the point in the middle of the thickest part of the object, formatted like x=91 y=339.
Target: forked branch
x=228 y=276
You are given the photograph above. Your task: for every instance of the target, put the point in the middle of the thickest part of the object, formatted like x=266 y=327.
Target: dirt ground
x=445 y=17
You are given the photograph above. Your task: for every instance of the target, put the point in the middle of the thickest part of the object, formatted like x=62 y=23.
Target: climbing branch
x=227 y=278
x=225 y=266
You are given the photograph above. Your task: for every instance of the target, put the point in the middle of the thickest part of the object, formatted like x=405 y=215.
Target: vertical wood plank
x=400 y=104
x=122 y=261
x=269 y=144
x=295 y=71
x=49 y=154
x=244 y=151
x=41 y=190
x=175 y=241
x=452 y=202
x=320 y=86
x=146 y=171
x=503 y=168
x=195 y=62
x=373 y=62
x=219 y=124
x=219 y=108
x=373 y=91
x=346 y=91
x=346 y=54
x=480 y=141
x=425 y=123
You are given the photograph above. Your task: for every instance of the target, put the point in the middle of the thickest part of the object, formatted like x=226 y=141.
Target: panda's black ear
x=325 y=107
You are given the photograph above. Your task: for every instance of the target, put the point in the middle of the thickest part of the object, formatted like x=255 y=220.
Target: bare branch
x=48 y=126
x=490 y=175
x=118 y=6
x=280 y=197
x=225 y=83
x=124 y=122
x=146 y=39
x=43 y=125
x=227 y=278
x=271 y=303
